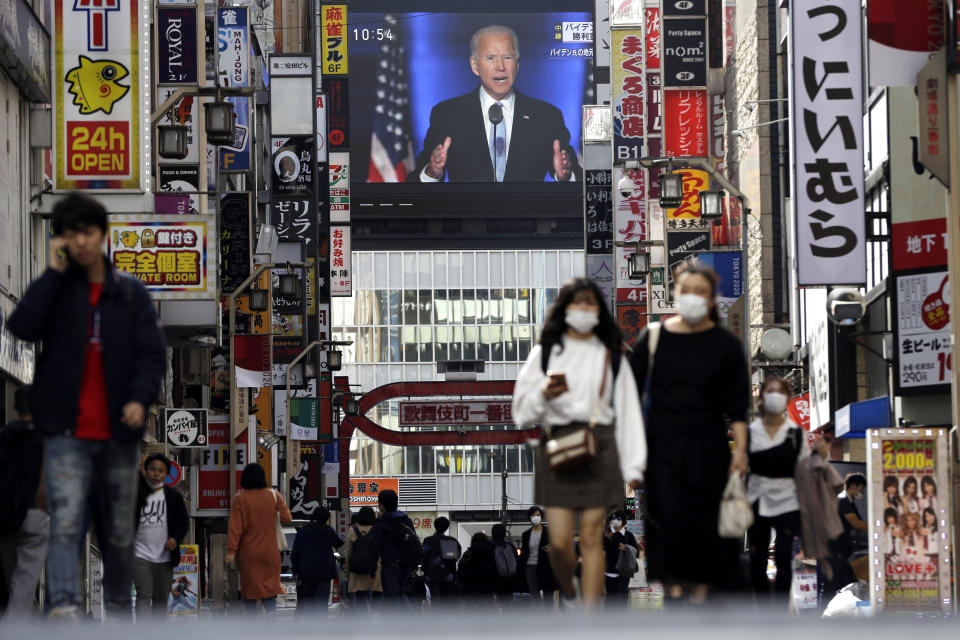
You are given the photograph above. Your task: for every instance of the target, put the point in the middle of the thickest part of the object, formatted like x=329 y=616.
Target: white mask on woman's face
x=692 y=307
x=615 y=524
x=581 y=320
x=534 y=520
x=154 y=485
x=774 y=403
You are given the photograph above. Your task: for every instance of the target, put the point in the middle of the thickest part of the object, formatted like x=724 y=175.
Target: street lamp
x=671 y=190
x=334 y=360
x=639 y=264
x=258 y=300
x=289 y=285
x=711 y=205
x=172 y=143
x=220 y=120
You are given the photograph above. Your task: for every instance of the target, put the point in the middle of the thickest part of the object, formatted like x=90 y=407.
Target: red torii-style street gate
x=413 y=438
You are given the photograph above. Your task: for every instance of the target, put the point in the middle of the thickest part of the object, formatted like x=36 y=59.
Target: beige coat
x=360 y=581
x=252 y=537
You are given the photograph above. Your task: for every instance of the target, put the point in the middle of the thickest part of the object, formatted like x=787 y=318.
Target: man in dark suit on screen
x=495 y=134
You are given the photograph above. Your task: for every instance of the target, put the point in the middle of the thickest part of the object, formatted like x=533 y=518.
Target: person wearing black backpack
x=440 y=555
x=24 y=524
x=363 y=562
x=397 y=545
x=775 y=445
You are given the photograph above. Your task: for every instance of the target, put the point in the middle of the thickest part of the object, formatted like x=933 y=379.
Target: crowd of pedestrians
x=655 y=417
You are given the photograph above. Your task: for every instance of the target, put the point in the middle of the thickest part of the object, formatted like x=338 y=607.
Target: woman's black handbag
x=779 y=461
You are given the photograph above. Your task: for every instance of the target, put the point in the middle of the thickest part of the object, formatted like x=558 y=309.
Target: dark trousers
x=392 y=577
x=787 y=525
x=617 y=589
x=314 y=595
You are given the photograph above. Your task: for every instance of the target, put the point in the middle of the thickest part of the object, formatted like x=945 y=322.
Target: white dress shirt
x=582 y=362
x=486 y=101
x=777 y=495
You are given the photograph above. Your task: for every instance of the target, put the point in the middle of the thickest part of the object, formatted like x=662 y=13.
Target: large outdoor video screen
x=424 y=112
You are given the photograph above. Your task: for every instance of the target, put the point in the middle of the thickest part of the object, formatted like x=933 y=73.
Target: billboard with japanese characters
x=827 y=134
x=101 y=52
x=627 y=80
x=174 y=256
x=364 y=491
x=922 y=333
x=475 y=412
x=910 y=517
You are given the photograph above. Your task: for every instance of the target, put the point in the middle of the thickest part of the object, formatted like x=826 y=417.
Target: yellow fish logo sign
x=129 y=239
x=94 y=84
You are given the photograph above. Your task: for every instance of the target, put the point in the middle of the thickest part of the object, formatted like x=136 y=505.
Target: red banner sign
x=920 y=244
x=685 y=125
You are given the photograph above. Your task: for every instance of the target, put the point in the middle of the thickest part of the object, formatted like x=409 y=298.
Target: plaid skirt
x=596 y=484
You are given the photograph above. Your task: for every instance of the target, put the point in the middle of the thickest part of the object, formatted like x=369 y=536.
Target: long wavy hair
x=556 y=325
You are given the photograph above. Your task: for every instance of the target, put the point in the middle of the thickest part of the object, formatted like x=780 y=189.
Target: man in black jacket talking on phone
x=99 y=369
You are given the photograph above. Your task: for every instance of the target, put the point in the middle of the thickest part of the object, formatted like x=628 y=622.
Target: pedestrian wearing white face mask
x=776 y=445
x=534 y=565
x=616 y=540
x=697 y=387
x=573 y=385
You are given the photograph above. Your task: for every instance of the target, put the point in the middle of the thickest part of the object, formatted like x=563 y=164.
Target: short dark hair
x=253 y=477
x=366 y=516
x=157 y=456
x=353 y=518
x=855 y=479
x=532 y=510
x=76 y=212
x=499 y=532
x=479 y=536
x=441 y=524
x=21 y=400
x=321 y=515
x=389 y=499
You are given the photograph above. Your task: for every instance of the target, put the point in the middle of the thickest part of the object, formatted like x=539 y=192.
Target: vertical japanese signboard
x=101 y=97
x=627 y=78
x=333 y=31
x=235 y=238
x=233 y=70
x=686 y=126
x=922 y=312
x=909 y=520
x=341 y=271
x=599 y=211
x=827 y=134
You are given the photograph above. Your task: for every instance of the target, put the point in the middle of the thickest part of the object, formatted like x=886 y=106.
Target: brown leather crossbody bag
x=579 y=447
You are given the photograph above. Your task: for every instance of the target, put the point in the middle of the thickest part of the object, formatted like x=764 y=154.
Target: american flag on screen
x=391 y=149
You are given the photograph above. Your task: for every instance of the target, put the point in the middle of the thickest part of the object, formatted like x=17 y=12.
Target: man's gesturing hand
x=133 y=415
x=438 y=159
x=561 y=162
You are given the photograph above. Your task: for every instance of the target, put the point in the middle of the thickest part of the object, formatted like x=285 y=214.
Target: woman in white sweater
x=574 y=379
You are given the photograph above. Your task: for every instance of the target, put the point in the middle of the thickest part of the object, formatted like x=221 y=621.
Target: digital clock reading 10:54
x=378 y=34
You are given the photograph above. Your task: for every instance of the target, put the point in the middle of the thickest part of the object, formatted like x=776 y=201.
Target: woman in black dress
x=698 y=389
